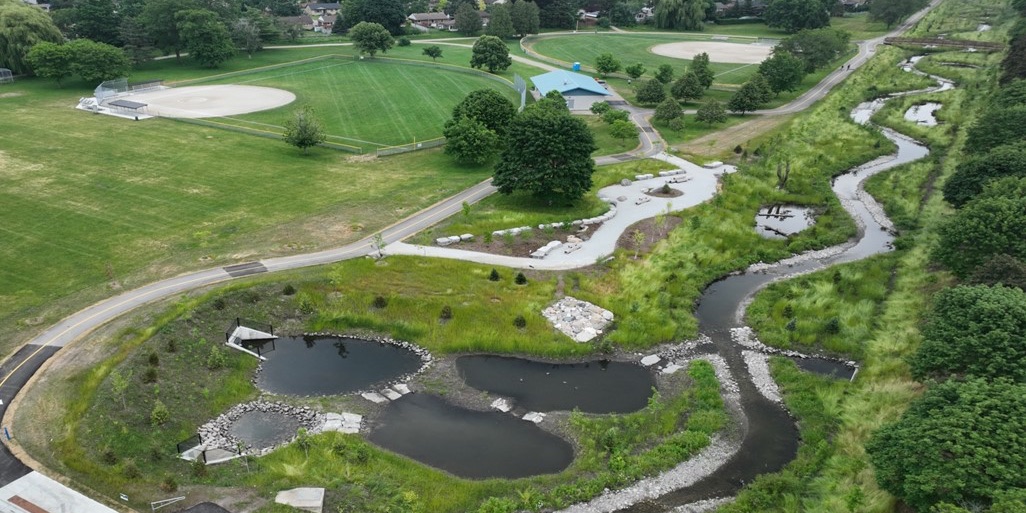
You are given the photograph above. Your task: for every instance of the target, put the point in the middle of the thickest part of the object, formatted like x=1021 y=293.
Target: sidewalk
x=36 y=493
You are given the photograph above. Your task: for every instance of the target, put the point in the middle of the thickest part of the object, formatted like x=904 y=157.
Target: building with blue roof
x=579 y=90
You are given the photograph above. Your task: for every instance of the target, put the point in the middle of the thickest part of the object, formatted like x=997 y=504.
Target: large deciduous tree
x=158 y=16
x=302 y=130
x=817 y=47
x=651 y=91
x=371 y=38
x=489 y=107
x=548 y=153
x=711 y=112
x=50 y=60
x=22 y=26
x=606 y=64
x=974 y=331
x=501 y=24
x=1001 y=270
x=893 y=11
x=959 y=442
x=795 y=15
x=433 y=51
x=701 y=68
x=205 y=37
x=98 y=20
x=490 y=52
x=468 y=21
x=991 y=224
x=688 y=87
x=996 y=127
x=748 y=98
x=973 y=174
x=138 y=45
x=387 y=13
x=681 y=14
x=96 y=62
x=469 y=141
x=526 y=17
x=667 y=110
x=558 y=14
x=783 y=71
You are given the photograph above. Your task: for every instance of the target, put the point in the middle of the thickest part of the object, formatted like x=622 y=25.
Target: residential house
x=304 y=21
x=317 y=9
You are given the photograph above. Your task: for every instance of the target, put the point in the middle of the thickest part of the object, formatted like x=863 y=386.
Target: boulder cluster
x=579 y=320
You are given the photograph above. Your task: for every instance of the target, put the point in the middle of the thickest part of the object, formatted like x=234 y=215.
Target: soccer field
x=369 y=104
x=632 y=48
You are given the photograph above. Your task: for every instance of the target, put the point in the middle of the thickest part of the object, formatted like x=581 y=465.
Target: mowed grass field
x=369 y=103
x=95 y=204
x=632 y=48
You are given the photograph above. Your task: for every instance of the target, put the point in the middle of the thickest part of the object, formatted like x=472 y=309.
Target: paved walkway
x=36 y=493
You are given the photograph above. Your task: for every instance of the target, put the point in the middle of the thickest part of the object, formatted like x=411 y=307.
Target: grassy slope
x=842 y=479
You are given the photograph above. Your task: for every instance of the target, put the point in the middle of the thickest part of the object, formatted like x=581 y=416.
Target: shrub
x=150 y=376
x=833 y=326
x=108 y=456
x=153 y=359
x=199 y=469
x=600 y=108
x=220 y=304
x=130 y=470
x=446 y=313
x=171 y=346
x=404 y=41
x=494 y=275
x=160 y=415
x=519 y=322
x=169 y=484
x=665 y=189
x=288 y=290
x=217 y=359
x=676 y=124
x=379 y=302
x=613 y=115
x=520 y=279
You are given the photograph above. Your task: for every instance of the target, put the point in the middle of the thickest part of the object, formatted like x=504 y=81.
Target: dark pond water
x=598 y=386
x=264 y=429
x=468 y=443
x=781 y=221
x=307 y=366
x=824 y=367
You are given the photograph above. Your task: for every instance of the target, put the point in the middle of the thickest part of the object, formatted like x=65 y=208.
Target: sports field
x=632 y=48
x=369 y=104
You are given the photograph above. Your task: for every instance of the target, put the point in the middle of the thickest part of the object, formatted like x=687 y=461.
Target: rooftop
x=566 y=81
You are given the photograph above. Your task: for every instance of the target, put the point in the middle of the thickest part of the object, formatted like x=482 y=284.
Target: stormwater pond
x=923 y=114
x=782 y=221
x=598 y=386
x=468 y=443
x=264 y=429
x=329 y=365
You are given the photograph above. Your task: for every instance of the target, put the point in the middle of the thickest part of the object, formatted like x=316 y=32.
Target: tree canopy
x=664 y=73
x=651 y=91
x=783 y=71
x=667 y=110
x=711 y=112
x=50 y=60
x=635 y=70
x=795 y=15
x=501 y=24
x=469 y=141
x=526 y=18
x=205 y=37
x=390 y=14
x=817 y=47
x=21 y=27
x=96 y=62
x=991 y=224
x=996 y=127
x=748 y=98
x=468 y=21
x=974 y=330
x=1001 y=269
x=489 y=107
x=370 y=38
x=688 y=87
x=973 y=174
x=605 y=64
x=701 y=68
x=893 y=11
x=959 y=442
x=681 y=14
x=548 y=153
x=433 y=51
x=490 y=52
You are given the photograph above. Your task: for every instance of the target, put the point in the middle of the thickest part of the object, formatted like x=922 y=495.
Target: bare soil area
x=718 y=52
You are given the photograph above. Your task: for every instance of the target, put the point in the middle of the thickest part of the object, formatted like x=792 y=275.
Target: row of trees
x=960 y=446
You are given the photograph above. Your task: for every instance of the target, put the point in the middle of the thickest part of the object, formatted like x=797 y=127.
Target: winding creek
x=769 y=438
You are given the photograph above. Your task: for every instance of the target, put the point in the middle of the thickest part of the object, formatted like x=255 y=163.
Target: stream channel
x=770 y=440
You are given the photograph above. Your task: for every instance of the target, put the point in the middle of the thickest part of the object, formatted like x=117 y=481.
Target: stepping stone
x=352 y=418
x=392 y=395
x=535 y=417
x=650 y=360
x=501 y=405
x=402 y=388
x=374 y=397
x=671 y=368
x=306 y=499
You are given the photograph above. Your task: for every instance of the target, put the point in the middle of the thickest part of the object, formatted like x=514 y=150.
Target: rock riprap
x=579 y=320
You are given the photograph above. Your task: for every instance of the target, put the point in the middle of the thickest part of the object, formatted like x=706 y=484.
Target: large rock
x=306 y=499
x=579 y=320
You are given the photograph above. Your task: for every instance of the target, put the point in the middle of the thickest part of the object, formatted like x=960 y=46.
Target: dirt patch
x=10 y=95
x=521 y=245
x=212 y=101
x=718 y=52
x=366 y=157
x=664 y=192
x=724 y=141
x=653 y=233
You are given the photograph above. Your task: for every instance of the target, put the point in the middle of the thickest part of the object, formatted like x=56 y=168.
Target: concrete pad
x=392 y=395
x=374 y=397
x=48 y=495
x=402 y=388
x=306 y=499
x=351 y=418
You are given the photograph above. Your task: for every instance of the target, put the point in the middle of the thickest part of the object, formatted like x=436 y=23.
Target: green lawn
x=95 y=204
x=632 y=48
x=694 y=129
x=607 y=144
x=368 y=103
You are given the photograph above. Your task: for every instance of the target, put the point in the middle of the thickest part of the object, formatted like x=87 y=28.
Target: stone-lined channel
x=770 y=438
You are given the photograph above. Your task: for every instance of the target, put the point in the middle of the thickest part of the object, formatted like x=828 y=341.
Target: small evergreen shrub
x=404 y=41
x=494 y=275
x=150 y=376
x=519 y=322
x=446 y=313
x=521 y=279
x=379 y=302
x=153 y=359
x=160 y=415
x=288 y=290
